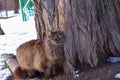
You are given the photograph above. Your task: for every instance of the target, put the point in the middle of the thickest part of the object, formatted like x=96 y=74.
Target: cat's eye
x=59 y=37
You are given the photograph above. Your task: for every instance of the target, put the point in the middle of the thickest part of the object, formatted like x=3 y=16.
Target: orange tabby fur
x=42 y=56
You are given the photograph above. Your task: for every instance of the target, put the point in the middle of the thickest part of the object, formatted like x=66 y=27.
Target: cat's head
x=57 y=37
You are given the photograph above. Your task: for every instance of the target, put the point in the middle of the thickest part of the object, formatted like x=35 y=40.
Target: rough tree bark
x=92 y=28
x=117 y=5
x=16 y=8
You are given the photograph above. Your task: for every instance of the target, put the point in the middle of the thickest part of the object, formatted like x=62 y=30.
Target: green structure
x=27 y=9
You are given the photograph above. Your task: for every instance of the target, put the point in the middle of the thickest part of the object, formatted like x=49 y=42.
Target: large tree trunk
x=92 y=28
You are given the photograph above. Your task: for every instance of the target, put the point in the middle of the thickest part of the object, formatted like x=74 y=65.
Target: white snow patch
x=16 y=32
x=113 y=59
x=4 y=74
x=5 y=14
x=2 y=64
x=117 y=75
x=76 y=74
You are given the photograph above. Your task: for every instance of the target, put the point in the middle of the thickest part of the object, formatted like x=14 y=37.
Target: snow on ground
x=16 y=32
x=117 y=75
x=3 y=13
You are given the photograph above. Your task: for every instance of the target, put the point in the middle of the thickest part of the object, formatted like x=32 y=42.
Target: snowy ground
x=16 y=32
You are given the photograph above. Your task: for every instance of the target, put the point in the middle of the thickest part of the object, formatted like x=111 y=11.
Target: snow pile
x=76 y=74
x=117 y=75
x=113 y=59
x=16 y=32
x=4 y=74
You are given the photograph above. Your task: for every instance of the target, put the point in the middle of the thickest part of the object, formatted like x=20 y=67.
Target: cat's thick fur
x=43 y=56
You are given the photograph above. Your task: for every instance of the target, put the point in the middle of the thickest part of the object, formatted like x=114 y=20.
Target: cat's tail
x=19 y=74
